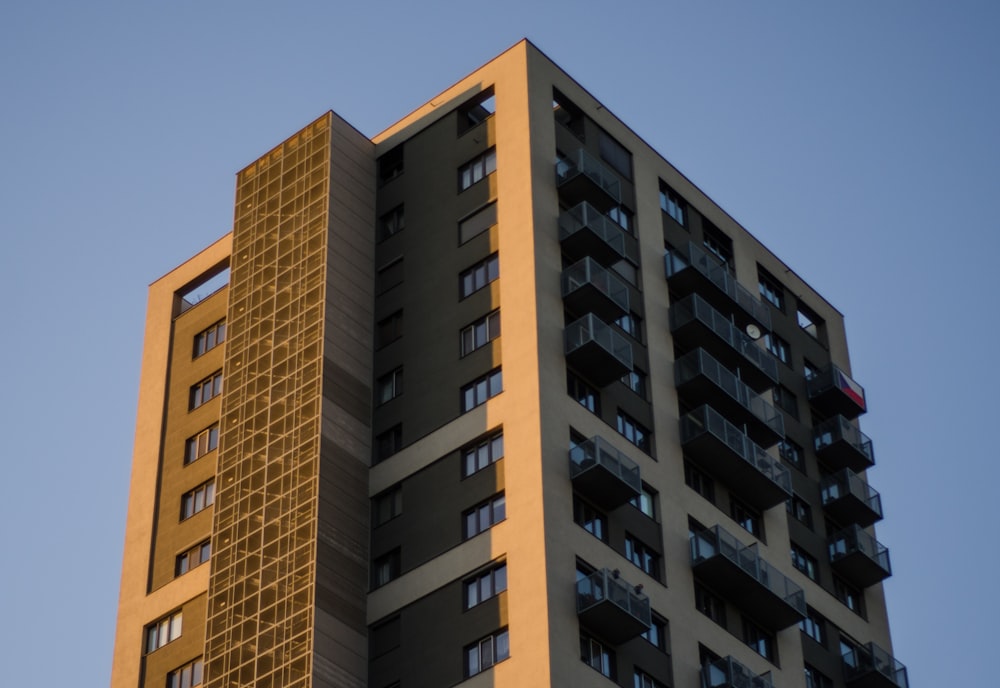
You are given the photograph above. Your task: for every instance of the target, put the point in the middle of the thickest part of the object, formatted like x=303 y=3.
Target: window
x=748 y=518
x=477 y=169
x=778 y=346
x=598 y=657
x=656 y=635
x=196 y=556
x=813 y=626
x=210 y=338
x=477 y=223
x=770 y=289
x=804 y=563
x=633 y=431
x=759 y=640
x=699 y=481
x=786 y=401
x=623 y=218
x=800 y=510
x=673 y=205
x=481 y=655
x=809 y=369
x=480 y=333
x=636 y=381
x=388 y=443
x=568 y=114
x=163 y=631
x=478 y=391
x=389 y=386
x=792 y=453
x=631 y=325
x=208 y=388
x=850 y=596
x=389 y=329
x=205 y=441
x=643 y=680
x=587 y=396
x=590 y=519
x=476 y=110
x=815 y=679
x=718 y=243
x=388 y=505
x=390 y=165
x=393 y=222
x=615 y=154
x=386 y=568
x=478 y=456
x=483 y=516
x=190 y=675
x=645 y=501
x=709 y=605
x=479 y=275
x=198 y=499
x=642 y=556
x=808 y=320
x=389 y=275
x=486 y=585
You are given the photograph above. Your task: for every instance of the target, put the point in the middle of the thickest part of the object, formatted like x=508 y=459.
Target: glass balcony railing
x=850 y=499
x=699 y=364
x=611 y=606
x=749 y=470
x=833 y=391
x=580 y=166
x=859 y=557
x=586 y=286
x=603 y=474
x=597 y=349
x=716 y=543
x=838 y=441
x=586 y=231
x=869 y=661
x=694 y=257
x=696 y=310
x=729 y=673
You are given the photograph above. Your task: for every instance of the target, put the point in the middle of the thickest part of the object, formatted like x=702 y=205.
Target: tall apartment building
x=499 y=398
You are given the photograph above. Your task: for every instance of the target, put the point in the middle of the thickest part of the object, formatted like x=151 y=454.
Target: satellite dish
x=753 y=331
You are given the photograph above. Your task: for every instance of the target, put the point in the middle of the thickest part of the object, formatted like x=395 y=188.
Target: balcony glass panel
x=695 y=309
x=729 y=673
x=862 y=661
x=841 y=441
x=716 y=542
x=699 y=363
x=597 y=349
x=610 y=605
x=590 y=287
x=833 y=391
x=582 y=164
x=585 y=230
x=859 y=556
x=846 y=493
x=694 y=257
x=604 y=474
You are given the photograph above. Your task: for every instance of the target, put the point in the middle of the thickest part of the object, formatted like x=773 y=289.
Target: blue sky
x=858 y=140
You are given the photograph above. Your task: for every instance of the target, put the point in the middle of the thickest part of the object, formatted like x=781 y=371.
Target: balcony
x=739 y=574
x=840 y=444
x=728 y=673
x=859 y=557
x=849 y=499
x=603 y=474
x=700 y=379
x=833 y=392
x=609 y=606
x=732 y=457
x=586 y=231
x=869 y=666
x=582 y=177
x=694 y=323
x=692 y=269
x=588 y=287
x=597 y=350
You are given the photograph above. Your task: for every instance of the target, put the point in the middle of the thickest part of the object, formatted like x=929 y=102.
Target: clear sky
x=857 y=139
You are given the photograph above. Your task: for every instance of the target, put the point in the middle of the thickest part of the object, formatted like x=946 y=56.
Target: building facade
x=497 y=397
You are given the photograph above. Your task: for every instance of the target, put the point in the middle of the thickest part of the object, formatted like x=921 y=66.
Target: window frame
x=498 y=643
x=201 y=444
x=469 y=339
x=163 y=631
x=477 y=169
x=634 y=431
x=468 y=279
x=390 y=383
x=206 y=491
x=211 y=337
x=484 y=586
x=211 y=385
x=476 y=393
x=486 y=447
x=484 y=516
